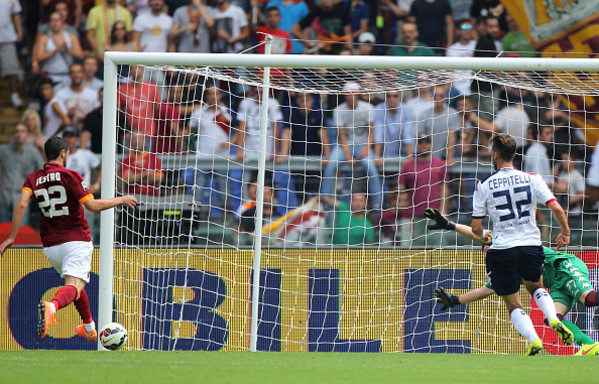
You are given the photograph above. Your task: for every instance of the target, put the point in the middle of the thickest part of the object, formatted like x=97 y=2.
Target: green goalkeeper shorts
x=571 y=281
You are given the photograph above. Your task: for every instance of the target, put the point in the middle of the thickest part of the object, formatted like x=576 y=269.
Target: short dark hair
x=504 y=145
x=47 y=81
x=538 y=129
x=54 y=146
x=271 y=8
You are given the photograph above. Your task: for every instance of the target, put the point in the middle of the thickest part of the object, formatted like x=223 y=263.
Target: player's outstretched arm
x=97 y=205
x=441 y=222
x=17 y=217
x=449 y=301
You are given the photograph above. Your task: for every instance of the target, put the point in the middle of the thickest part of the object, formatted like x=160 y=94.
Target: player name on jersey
x=509 y=181
x=55 y=176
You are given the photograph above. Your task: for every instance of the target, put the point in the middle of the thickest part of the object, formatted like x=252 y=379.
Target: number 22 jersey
x=509 y=197
x=60 y=193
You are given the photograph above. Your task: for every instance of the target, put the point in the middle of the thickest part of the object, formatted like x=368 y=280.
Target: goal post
x=262 y=301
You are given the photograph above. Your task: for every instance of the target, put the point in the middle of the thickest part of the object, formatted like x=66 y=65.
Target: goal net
x=314 y=176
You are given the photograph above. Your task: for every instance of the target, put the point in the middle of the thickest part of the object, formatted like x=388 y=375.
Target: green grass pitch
x=88 y=367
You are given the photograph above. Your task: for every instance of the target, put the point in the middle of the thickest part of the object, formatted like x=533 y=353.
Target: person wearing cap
x=354 y=120
x=366 y=42
x=425 y=178
x=55 y=112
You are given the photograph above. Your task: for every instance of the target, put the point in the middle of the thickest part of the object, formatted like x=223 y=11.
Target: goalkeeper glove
x=447 y=299
x=440 y=221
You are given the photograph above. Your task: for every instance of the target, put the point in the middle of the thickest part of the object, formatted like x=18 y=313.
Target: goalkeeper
x=564 y=274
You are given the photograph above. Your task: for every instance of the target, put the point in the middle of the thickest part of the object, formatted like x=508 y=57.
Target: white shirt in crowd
x=211 y=134
x=537 y=161
x=356 y=122
x=575 y=182
x=231 y=20
x=462 y=50
x=249 y=112
x=154 y=31
x=8 y=34
x=513 y=121
x=509 y=197
x=593 y=172
x=83 y=161
x=84 y=102
x=52 y=119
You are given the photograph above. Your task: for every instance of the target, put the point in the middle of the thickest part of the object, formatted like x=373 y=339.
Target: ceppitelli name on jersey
x=55 y=176
x=508 y=181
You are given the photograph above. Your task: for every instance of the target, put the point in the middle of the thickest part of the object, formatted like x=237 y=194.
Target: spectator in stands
x=366 y=41
x=435 y=23
x=331 y=22
x=359 y=12
x=66 y=12
x=441 y=127
x=482 y=9
x=151 y=30
x=210 y=128
x=90 y=69
x=120 y=41
x=141 y=171
x=191 y=27
x=425 y=178
x=281 y=42
x=17 y=161
x=411 y=46
x=139 y=99
x=291 y=13
x=11 y=32
x=248 y=131
x=78 y=100
x=247 y=219
x=91 y=135
x=392 y=13
x=56 y=51
x=536 y=159
x=394 y=129
x=475 y=133
x=513 y=120
x=72 y=9
x=485 y=94
x=137 y=7
x=100 y=20
x=31 y=118
x=394 y=222
x=308 y=134
x=82 y=160
x=354 y=120
x=464 y=47
x=592 y=181
x=516 y=41
x=422 y=102
x=231 y=28
x=372 y=86
x=569 y=189
x=351 y=226
x=56 y=116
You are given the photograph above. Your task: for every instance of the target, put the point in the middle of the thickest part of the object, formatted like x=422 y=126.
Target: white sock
x=90 y=326
x=52 y=307
x=523 y=324
x=545 y=303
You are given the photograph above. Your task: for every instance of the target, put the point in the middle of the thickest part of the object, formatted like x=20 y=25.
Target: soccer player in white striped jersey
x=509 y=197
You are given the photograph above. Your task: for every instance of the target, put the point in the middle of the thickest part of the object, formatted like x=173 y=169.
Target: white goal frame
x=109 y=141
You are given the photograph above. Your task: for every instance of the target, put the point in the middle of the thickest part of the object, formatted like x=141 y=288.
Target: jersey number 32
x=516 y=208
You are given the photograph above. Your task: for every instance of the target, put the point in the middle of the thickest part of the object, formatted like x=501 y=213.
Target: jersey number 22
x=49 y=205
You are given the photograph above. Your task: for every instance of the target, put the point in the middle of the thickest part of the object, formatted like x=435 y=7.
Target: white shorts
x=73 y=258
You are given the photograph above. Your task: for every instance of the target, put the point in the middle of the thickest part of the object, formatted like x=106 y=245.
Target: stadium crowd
x=431 y=130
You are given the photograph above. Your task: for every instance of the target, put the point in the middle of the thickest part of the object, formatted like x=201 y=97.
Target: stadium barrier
x=325 y=300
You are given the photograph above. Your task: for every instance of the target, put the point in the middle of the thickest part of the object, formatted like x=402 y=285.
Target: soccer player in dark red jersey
x=60 y=194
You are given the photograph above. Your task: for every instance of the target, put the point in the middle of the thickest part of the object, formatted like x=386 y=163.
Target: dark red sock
x=82 y=305
x=591 y=300
x=64 y=296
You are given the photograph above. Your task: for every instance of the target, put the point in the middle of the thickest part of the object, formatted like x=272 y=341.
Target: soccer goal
x=281 y=197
